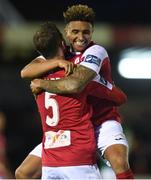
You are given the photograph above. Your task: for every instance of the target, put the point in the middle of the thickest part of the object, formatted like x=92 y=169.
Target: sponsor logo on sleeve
x=93 y=59
x=119 y=137
x=103 y=81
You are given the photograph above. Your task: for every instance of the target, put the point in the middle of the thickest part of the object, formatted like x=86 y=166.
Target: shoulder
x=96 y=50
x=41 y=58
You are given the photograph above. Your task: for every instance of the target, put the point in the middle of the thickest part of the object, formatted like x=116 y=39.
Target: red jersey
x=104 y=110
x=68 y=138
x=96 y=58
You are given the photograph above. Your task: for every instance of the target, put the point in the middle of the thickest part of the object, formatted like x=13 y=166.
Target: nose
x=81 y=36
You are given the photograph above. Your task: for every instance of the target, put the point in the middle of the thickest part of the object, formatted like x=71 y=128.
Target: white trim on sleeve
x=93 y=57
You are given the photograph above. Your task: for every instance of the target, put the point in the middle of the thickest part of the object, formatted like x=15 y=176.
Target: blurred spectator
x=4 y=170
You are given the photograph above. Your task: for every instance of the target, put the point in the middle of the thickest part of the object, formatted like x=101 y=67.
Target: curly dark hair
x=79 y=13
x=47 y=39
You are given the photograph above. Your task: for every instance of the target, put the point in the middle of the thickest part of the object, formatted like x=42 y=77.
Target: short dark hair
x=79 y=13
x=47 y=39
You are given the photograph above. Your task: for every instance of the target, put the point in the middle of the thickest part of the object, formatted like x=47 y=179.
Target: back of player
x=68 y=139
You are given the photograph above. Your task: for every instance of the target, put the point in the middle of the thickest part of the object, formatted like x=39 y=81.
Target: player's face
x=79 y=34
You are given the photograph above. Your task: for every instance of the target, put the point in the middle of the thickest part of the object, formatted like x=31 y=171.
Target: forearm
x=37 y=68
x=107 y=91
x=68 y=86
x=74 y=83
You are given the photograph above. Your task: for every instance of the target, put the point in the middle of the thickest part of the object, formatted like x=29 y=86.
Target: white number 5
x=51 y=102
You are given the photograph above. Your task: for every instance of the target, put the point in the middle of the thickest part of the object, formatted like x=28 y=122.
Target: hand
x=35 y=86
x=68 y=66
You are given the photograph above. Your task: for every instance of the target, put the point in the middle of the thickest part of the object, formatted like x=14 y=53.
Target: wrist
x=41 y=83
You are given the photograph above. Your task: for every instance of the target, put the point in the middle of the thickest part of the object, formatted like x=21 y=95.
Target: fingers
x=35 y=90
x=69 y=68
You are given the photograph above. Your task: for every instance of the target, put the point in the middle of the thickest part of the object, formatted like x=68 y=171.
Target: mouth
x=81 y=43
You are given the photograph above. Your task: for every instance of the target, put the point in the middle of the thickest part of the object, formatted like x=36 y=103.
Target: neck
x=60 y=54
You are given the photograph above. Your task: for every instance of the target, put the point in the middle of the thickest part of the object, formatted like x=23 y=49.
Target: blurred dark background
x=110 y=11
x=119 y=25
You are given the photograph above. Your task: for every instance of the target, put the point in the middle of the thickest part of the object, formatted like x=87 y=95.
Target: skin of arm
x=74 y=83
x=30 y=168
x=40 y=66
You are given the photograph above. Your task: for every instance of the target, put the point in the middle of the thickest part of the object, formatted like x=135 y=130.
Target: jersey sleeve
x=105 y=90
x=93 y=57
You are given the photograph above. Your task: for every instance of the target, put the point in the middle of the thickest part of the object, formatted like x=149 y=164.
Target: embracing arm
x=39 y=66
x=107 y=91
x=74 y=83
x=119 y=96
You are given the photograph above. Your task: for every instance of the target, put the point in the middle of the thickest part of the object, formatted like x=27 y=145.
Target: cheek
x=89 y=37
x=69 y=37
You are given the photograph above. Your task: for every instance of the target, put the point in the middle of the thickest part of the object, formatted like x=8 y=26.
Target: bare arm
x=40 y=66
x=30 y=168
x=73 y=83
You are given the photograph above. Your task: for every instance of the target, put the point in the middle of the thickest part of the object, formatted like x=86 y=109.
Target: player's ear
x=63 y=45
x=66 y=29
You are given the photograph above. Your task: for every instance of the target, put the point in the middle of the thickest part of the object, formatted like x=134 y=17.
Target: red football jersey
x=68 y=133
x=104 y=110
x=68 y=138
x=96 y=58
